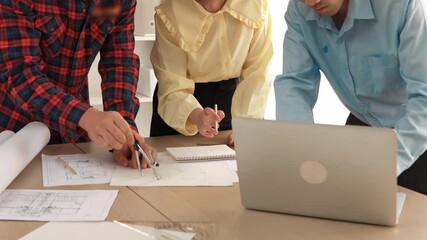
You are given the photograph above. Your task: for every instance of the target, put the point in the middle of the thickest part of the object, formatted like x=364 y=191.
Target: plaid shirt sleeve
x=22 y=68
x=119 y=66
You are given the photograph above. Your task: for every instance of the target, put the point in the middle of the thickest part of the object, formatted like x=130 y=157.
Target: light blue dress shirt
x=376 y=63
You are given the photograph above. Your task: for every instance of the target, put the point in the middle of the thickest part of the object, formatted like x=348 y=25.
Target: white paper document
x=232 y=164
x=56 y=205
x=175 y=174
x=102 y=230
x=18 y=149
x=90 y=169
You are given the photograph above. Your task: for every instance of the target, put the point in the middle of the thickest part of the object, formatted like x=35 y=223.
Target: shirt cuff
x=69 y=119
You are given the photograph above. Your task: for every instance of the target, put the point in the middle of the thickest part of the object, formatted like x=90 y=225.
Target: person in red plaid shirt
x=46 y=50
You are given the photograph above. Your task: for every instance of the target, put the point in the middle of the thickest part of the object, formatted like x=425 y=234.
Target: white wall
x=328 y=108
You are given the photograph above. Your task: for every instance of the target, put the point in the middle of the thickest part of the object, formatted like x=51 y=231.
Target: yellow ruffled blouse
x=193 y=46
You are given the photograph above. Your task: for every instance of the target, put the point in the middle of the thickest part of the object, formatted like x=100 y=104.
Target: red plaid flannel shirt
x=46 y=50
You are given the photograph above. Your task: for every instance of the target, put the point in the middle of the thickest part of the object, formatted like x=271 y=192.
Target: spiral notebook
x=201 y=153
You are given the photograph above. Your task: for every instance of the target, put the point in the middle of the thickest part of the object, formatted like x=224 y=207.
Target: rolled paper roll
x=6 y=134
x=19 y=149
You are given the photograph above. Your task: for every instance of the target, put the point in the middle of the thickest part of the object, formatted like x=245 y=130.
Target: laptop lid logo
x=313 y=172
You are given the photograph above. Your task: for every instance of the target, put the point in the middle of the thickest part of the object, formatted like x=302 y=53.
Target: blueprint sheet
x=90 y=168
x=56 y=205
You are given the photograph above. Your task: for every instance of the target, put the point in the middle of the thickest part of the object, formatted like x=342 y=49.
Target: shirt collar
x=252 y=13
x=357 y=9
x=360 y=9
x=189 y=22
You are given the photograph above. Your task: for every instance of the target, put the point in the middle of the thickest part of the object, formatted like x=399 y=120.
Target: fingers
x=153 y=153
x=109 y=138
x=148 y=150
x=221 y=115
x=119 y=132
x=140 y=139
x=126 y=156
x=133 y=159
x=108 y=129
x=208 y=120
x=125 y=131
x=98 y=139
x=121 y=157
x=137 y=136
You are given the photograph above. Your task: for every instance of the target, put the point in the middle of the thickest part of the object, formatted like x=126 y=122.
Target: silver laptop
x=144 y=17
x=336 y=172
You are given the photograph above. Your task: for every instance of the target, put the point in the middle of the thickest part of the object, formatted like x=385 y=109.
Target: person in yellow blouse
x=210 y=52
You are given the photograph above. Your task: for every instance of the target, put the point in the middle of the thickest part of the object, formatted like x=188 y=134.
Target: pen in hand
x=216 y=112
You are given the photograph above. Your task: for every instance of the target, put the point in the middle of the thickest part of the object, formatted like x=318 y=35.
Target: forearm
x=411 y=132
x=45 y=102
x=119 y=67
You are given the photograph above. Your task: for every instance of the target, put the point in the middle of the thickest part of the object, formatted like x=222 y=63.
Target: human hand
x=206 y=120
x=230 y=141
x=108 y=129
x=126 y=156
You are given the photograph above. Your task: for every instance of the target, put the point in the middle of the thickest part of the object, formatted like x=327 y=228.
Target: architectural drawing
x=56 y=205
x=215 y=173
x=40 y=203
x=90 y=169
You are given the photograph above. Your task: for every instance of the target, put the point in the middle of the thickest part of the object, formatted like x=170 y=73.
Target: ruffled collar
x=188 y=22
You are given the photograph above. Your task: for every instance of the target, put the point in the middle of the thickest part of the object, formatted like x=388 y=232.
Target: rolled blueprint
x=5 y=135
x=19 y=149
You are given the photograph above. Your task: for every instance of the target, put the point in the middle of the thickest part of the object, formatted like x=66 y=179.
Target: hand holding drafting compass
x=148 y=158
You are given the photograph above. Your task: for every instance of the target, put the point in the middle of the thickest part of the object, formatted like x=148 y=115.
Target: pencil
x=65 y=165
x=216 y=112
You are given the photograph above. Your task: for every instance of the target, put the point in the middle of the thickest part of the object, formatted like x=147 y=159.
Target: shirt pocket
x=52 y=30
x=100 y=29
x=380 y=75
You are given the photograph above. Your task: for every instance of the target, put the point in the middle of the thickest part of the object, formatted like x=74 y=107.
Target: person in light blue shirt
x=374 y=55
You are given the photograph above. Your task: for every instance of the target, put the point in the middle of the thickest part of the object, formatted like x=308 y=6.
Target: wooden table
x=128 y=206
x=222 y=206
x=218 y=205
